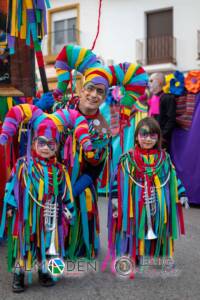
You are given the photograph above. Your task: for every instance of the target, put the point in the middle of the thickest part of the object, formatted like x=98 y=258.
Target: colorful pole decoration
x=27 y=20
x=40 y=61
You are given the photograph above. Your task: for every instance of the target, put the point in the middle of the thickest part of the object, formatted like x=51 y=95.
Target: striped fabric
x=73 y=57
x=184 y=110
x=49 y=125
x=27 y=20
x=128 y=230
x=133 y=79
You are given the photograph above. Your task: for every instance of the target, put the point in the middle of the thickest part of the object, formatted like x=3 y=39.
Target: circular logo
x=123 y=266
x=56 y=266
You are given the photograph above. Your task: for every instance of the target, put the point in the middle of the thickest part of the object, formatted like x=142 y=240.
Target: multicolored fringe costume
x=33 y=184
x=35 y=181
x=26 y=20
x=149 y=217
x=84 y=235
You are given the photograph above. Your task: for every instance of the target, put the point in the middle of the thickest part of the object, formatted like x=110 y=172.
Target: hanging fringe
x=127 y=232
x=26 y=20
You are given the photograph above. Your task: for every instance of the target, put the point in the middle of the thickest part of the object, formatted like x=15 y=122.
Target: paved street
x=181 y=283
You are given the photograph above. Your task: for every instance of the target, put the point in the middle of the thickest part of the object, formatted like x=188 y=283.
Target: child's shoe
x=45 y=279
x=18 y=283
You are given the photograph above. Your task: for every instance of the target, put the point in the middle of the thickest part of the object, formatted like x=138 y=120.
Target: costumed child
x=38 y=197
x=145 y=215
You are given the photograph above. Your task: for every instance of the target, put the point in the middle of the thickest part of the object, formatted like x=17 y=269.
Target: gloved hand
x=3 y=139
x=81 y=184
x=45 y=102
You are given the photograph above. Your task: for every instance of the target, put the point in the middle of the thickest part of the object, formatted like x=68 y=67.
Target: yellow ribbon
x=88 y=196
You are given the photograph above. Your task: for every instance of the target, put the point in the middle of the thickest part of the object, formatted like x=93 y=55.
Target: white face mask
x=155 y=85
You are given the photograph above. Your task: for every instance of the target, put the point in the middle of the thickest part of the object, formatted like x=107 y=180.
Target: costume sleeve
x=70 y=118
x=83 y=182
x=177 y=218
x=18 y=114
x=9 y=201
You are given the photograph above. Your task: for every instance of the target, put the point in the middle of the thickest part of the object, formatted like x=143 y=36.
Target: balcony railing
x=156 y=50
x=58 y=39
x=198 y=43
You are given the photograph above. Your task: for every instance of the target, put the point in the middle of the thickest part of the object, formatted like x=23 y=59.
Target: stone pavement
x=180 y=283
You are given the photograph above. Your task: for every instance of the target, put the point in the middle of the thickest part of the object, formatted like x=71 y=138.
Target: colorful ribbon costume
x=84 y=235
x=37 y=184
x=149 y=217
x=125 y=110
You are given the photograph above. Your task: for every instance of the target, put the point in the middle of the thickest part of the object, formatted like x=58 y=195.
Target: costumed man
x=84 y=235
x=162 y=107
x=38 y=198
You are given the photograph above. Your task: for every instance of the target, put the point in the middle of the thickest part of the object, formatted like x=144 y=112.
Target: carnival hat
x=48 y=125
x=82 y=60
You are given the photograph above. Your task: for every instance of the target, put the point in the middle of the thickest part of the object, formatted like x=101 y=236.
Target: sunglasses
x=144 y=134
x=91 y=87
x=42 y=142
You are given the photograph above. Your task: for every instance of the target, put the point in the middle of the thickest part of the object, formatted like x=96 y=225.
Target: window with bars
x=160 y=41
x=65 y=32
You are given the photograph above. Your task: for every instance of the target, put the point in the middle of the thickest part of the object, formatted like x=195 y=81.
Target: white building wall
x=123 y=21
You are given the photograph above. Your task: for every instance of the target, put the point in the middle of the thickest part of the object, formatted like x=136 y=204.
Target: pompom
x=192 y=81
